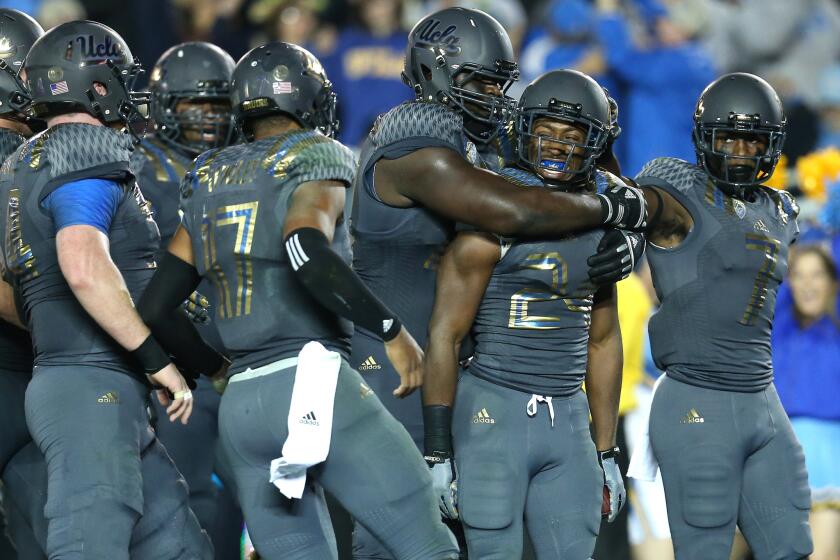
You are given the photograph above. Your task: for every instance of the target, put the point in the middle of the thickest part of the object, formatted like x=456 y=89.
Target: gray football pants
x=111 y=486
x=193 y=449
x=372 y=363
x=23 y=490
x=516 y=471
x=373 y=469
x=730 y=458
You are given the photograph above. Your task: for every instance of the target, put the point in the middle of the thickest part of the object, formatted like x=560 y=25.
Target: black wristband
x=609 y=454
x=150 y=356
x=391 y=332
x=437 y=427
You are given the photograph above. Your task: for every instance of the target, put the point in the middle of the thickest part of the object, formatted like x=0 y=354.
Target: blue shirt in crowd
x=806 y=362
x=366 y=73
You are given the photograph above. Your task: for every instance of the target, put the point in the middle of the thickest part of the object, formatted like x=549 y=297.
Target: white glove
x=613 y=482
x=445 y=487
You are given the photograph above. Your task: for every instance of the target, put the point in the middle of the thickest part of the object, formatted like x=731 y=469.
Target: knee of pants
x=366 y=546
x=710 y=487
x=487 y=493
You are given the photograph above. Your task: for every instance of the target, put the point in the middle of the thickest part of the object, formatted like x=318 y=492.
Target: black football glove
x=624 y=207
x=198 y=308
x=618 y=253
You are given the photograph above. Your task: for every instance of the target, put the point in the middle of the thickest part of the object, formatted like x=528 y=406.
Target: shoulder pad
x=201 y=166
x=168 y=164
x=677 y=173
x=9 y=143
x=414 y=119
x=73 y=149
x=310 y=156
x=521 y=177
x=786 y=205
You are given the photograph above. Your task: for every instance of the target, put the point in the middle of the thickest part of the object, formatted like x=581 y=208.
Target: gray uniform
x=531 y=343
x=159 y=169
x=396 y=252
x=23 y=489
x=235 y=202
x=724 y=444
x=86 y=395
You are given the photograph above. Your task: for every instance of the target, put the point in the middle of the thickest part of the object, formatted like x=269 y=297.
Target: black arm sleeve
x=160 y=309
x=334 y=284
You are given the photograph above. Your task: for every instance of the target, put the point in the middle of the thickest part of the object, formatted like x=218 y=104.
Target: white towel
x=643 y=463
x=310 y=419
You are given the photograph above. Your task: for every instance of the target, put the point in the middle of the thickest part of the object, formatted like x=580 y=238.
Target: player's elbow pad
x=331 y=282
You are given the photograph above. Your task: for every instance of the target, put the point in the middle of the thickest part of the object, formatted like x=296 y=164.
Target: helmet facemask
x=739 y=174
x=484 y=113
x=560 y=161
x=195 y=128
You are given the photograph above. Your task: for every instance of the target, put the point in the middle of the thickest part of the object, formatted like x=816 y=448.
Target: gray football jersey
x=396 y=250
x=532 y=327
x=62 y=331
x=159 y=169
x=718 y=288
x=234 y=203
x=15 y=344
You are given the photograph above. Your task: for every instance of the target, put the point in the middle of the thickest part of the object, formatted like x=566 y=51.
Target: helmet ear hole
x=100 y=89
x=427 y=72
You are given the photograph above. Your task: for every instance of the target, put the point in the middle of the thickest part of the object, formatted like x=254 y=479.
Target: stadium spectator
x=565 y=39
x=806 y=354
x=665 y=71
x=828 y=105
x=787 y=42
x=366 y=65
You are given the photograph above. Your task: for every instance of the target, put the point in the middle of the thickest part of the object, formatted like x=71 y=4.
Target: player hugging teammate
x=487 y=230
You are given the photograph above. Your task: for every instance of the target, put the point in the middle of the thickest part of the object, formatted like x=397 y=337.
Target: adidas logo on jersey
x=365 y=391
x=693 y=417
x=483 y=417
x=310 y=419
x=759 y=226
x=111 y=397
x=369 y=364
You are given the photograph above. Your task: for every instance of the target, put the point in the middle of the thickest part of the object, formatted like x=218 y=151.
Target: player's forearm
x=440 y=371
x=603 y=389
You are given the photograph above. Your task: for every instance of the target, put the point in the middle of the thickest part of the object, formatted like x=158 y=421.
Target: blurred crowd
x=655 y=57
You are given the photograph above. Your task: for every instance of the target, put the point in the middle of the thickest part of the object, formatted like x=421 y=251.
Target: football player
x=541 y=327
x=81 y=247
x=419 y=173
x=718 y=246
x=264 y=221
x=190 y=107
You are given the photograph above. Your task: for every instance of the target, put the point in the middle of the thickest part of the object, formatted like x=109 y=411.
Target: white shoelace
x=535 y=400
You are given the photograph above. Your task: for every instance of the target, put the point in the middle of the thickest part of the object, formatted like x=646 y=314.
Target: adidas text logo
x=369 y=364
x=365 y=391
x=693 y=417
x=110 y=397
x=759 y=226
x=483 y=417
x=310 y=419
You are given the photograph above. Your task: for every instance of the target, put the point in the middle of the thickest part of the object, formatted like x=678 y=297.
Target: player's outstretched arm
x=308 y=230
x=160 y=307
x=443 y=181
x=603 y=390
